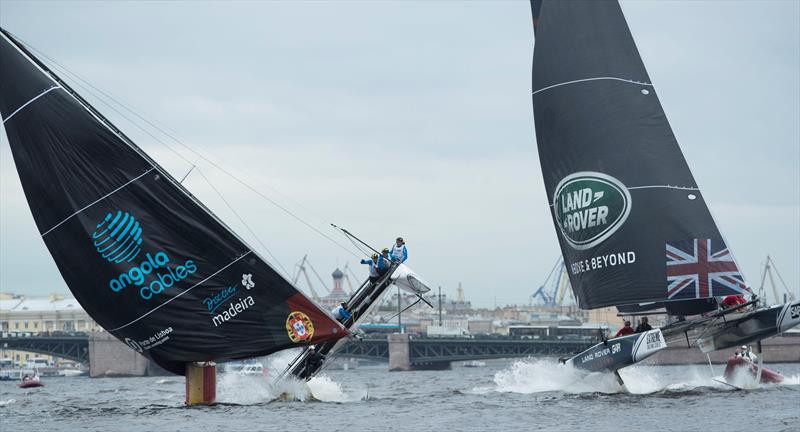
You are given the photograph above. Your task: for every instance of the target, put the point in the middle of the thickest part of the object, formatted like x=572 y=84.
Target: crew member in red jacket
x=625 y=330
x=732 y=301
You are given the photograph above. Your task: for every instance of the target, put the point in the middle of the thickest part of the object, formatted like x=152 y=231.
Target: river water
x=502 y=396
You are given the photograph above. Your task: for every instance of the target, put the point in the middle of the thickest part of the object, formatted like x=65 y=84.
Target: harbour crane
x=301 y=268
x=769 y=270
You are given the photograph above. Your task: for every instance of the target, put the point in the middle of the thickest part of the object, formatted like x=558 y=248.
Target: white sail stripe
x=658 y=187
x=30 y=102
x=664 y=187
x=97 y=200
x=182 y=292
x=593 y=79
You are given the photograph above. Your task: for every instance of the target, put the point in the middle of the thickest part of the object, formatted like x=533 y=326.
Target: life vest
x=397 y=253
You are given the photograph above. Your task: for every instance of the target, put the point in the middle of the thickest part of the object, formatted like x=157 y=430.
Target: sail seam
x=182 y=292
x=593 y=79
x=96 y=201
x=657 y=187
x=30 y=102
x=664 y=187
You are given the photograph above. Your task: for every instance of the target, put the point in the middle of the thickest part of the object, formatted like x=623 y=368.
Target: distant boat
x=473 y=364
x=30 y=381
x=246 y=369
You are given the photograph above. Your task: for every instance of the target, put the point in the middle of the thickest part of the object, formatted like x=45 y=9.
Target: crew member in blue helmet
x=340 y=312
x=399 y=251
x=373 y=267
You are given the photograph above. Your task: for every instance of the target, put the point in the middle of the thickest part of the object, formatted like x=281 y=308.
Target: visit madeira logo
x=118 y=239
x=589 y=207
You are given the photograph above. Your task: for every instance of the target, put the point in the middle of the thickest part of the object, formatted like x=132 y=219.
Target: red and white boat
x=738 y=366
x=30 y=381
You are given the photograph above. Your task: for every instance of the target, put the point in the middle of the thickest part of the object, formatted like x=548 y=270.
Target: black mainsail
x=632 y=223
x=143 y=256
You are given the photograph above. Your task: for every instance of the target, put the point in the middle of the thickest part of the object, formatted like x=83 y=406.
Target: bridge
x=422 y=353
x=74 y=348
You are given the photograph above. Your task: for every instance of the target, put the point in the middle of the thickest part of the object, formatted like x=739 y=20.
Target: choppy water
x=503 y=396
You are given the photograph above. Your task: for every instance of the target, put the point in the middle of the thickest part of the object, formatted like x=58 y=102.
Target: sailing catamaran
x=144 y=257
x=633 y=226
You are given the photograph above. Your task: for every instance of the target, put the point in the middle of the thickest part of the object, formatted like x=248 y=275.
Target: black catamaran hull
x=744 y=328
x=614 y=354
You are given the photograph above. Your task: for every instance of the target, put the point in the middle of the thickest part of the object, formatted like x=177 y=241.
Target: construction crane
x=301 y=268
x=769 y=269
x=555 y=286
x=347 y=276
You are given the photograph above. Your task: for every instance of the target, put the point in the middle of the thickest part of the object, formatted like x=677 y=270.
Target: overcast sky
x=415 y=119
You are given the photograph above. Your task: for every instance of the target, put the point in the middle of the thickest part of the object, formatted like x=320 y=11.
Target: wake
x=252 y=390
x=547 y=375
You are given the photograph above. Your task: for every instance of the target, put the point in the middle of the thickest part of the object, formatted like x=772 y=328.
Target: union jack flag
x=701 y=268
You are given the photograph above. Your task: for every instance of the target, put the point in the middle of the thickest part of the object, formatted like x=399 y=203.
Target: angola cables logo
x=589 y=207
x=299 y=327
x=118 y=237
x=118 y=240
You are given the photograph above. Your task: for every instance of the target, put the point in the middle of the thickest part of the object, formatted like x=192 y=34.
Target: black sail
x=632 y=224
x=143 y=257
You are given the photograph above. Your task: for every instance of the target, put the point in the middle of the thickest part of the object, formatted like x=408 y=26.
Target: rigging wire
x=190 y=149
x=258 y=239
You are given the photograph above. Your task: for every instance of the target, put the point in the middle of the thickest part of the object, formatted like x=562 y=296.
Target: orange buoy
x=201 y=383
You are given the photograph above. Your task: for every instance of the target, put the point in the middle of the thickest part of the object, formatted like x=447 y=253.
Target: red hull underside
x=30 y=384
x=735 y=364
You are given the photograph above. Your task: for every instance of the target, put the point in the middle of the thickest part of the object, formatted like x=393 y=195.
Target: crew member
x=625 y=330
x=383 y=262
x=313 y=362
x=373 y=268
x=733 y=301
x=340 y=312
x=399 y=251
x=748 y=353
x=643 y=326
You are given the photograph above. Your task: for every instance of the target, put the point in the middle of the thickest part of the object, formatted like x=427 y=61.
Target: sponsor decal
x=603 y=261
x=234 y=308
x=653 y=340
x=299 y=327
x=247 y=281
x=589 y=207
x=153 y=341
x=794 y=311
x=118 y=239
x=602 y=352
x=701 y=268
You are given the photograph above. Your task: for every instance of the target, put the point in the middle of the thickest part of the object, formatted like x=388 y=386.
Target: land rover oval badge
x=589 y=207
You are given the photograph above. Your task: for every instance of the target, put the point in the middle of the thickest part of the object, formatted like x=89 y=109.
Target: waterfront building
x=38 y=316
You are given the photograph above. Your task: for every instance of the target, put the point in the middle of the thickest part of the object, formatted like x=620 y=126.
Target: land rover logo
x=589 y=207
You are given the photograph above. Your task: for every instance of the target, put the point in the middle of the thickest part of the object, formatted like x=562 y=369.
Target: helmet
x=385 y=250
x=374 y=256
x=744 y=347
x=399 y=239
